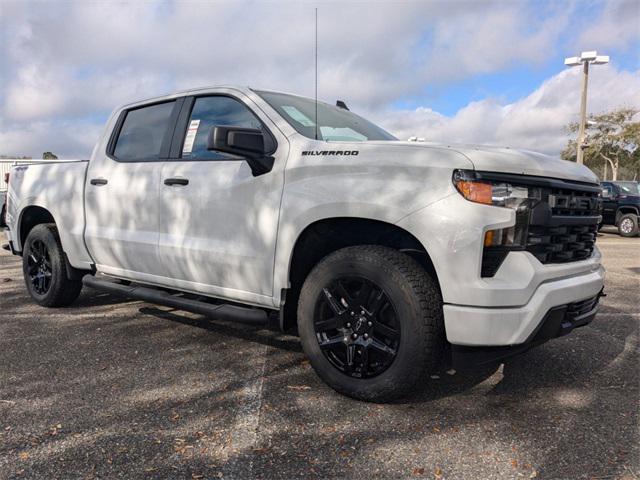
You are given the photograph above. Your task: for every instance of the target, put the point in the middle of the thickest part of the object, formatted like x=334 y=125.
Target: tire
x=402 y=314
x=628 y=225
x=44 y=268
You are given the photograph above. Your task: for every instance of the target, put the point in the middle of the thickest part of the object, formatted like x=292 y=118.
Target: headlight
x=495 y=193
x=498 y=243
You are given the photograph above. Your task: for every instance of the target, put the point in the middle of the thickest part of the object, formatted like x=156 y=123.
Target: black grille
x=561 y=244
x=573 y=203
x=563 y=319
x=563 y=225
x=560 y=226
x=577 y=309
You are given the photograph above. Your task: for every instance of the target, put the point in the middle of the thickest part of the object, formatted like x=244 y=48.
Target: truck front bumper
x=511 y=326
x=557 y=322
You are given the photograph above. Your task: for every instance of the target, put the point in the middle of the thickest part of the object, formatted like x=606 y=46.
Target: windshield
x=630 y=188
x=334 y=124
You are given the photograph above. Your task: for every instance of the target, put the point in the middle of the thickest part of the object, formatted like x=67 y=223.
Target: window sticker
x=191 y=136
x=341 y=134
x=298 y=116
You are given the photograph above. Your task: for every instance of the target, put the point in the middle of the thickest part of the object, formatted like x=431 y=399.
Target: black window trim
x=180 y=130
x=166 y=140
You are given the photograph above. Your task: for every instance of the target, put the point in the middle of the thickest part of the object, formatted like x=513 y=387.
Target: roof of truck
x=241 y=88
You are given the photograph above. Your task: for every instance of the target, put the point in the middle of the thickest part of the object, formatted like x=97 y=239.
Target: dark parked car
x=621 y=206
x=3 y=209
x=3 y=203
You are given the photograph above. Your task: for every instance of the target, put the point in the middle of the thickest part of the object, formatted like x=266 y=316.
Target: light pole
x=584 y=59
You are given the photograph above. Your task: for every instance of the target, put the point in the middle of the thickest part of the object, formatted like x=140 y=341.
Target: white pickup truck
x=391 y=259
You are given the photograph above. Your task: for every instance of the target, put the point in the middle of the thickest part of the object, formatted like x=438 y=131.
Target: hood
x=508 y=160
x=524 y=162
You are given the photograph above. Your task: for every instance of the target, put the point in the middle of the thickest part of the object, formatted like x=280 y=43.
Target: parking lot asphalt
x=110 y=388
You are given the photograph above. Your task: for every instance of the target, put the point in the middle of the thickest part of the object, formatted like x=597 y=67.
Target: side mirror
x=606 y=193
x=244 y=142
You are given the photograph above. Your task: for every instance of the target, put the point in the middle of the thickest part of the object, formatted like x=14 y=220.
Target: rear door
x=122 y=192
x=218 y=222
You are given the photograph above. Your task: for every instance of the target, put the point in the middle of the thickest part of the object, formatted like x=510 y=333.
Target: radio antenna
x=316 y=73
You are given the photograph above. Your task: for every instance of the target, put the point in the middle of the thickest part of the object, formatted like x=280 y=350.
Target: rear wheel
x=44 y=268
x=628 y=225
x=370 y=321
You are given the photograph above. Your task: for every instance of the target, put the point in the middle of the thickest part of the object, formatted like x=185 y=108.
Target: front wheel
x=370 y=320
x=628 y=225
x=44 y=268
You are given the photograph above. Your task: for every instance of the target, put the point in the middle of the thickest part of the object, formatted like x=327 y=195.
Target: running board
x=148 y=294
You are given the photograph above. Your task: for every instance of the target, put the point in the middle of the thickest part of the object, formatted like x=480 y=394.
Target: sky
x=488 y=72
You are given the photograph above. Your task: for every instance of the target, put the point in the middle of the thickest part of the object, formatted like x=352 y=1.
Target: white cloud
x=370 y=52
x=618 y=27
x=494 y=36
x=536 y=121
x=70 y=63
x=68 y=139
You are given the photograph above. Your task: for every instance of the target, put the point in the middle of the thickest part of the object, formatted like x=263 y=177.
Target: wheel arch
x=326 y=235
x=35 y=215
x=30 y=217
x=624 y=210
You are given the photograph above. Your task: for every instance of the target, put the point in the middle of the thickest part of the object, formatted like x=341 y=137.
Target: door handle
x=176 y=181
x=99 y=181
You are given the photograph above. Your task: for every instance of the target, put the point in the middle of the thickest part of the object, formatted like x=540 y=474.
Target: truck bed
x=59 y=188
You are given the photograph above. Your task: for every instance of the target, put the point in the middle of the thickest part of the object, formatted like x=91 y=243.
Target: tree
x=612 y=143
x=49 y=156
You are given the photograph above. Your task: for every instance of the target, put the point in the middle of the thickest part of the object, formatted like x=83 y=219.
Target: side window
x=142 y=132
x=214 y=111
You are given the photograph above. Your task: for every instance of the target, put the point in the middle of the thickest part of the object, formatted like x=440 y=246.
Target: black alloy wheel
x=39 y=267
x=370 y=321
x=357 y=327
x=48 y=278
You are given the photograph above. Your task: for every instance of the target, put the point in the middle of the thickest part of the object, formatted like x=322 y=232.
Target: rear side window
x=214 y=111
x=143 y=131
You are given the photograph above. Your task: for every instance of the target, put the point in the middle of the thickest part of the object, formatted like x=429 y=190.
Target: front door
x=609 y=203
x=218 y=222
x=122 y=192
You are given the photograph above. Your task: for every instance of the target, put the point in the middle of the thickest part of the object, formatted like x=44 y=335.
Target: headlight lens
x=494 y=193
